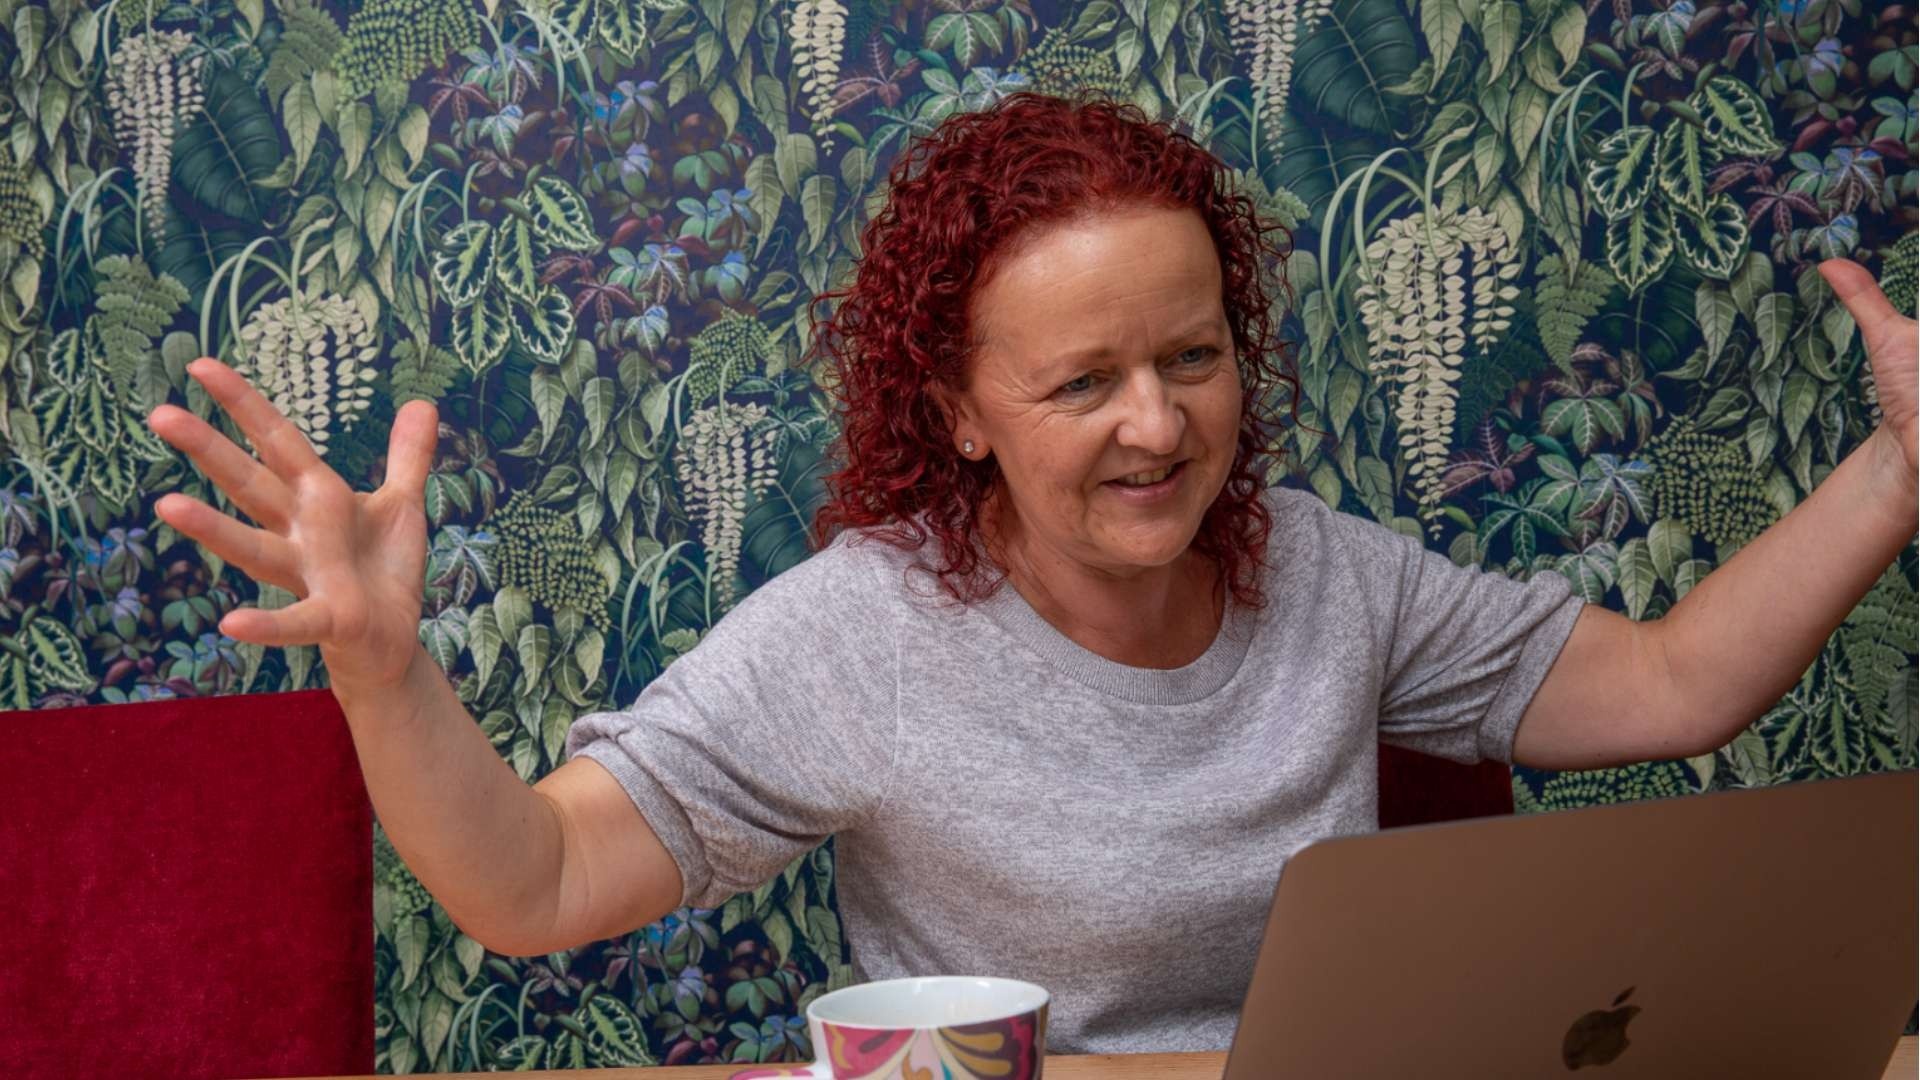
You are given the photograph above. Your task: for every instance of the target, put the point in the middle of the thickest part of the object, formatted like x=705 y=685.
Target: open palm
x=355 y=560
x=1891 y=350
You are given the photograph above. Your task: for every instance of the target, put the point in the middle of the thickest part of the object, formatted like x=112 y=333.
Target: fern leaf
x=1877 y=637
x=1565 y=306
x=133 y=309
x=307 y=44
x=422 y=371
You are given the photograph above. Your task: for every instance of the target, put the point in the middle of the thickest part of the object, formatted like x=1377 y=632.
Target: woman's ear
x=965 y=431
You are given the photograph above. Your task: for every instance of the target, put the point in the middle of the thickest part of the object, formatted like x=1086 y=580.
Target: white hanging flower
x=1415 y=306
x=1268 y=32
x=725 y=456
x=313 y=358
x=153 y=99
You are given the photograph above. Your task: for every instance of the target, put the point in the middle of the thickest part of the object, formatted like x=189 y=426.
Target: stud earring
x=967 y=447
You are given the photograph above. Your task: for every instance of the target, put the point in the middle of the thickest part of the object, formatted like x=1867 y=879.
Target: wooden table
x=1205 y=1066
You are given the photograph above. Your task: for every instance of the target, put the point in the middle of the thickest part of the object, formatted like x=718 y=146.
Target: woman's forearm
x=1742 y=637
x=483 y=842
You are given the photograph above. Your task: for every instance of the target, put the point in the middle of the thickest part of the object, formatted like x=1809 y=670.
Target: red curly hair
x=957 y=197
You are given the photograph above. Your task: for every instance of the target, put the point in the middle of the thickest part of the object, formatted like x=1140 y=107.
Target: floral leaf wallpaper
x=1553 y=286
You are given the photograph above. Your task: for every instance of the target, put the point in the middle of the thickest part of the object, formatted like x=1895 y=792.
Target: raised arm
x=1687 y=683
x=523 y=870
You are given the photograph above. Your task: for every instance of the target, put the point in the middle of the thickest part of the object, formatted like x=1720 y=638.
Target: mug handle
x=818 y=1070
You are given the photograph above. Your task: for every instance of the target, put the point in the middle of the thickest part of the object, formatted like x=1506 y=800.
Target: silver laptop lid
x=1756 y=933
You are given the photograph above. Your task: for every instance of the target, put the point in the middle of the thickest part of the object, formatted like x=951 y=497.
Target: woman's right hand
x=356 y=561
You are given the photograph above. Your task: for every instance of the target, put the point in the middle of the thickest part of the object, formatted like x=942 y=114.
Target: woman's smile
x=1161 y=486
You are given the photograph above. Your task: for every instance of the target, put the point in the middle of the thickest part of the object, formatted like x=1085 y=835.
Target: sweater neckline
x=1210 y=671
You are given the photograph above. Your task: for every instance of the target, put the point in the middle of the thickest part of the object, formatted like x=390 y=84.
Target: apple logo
x=1599 y=1036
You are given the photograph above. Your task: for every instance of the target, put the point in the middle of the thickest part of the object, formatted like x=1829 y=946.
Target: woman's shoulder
x=831 y=607
x=1302 y=518
x=1308 y=536
x=1291 y=502
x=1299 y=505
x=856 y=575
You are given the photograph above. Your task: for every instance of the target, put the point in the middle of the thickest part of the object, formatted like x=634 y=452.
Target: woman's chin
x=1152 y=546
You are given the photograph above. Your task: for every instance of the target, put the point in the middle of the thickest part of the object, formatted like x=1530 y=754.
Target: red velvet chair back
x=186 y=888
x=1418 y=789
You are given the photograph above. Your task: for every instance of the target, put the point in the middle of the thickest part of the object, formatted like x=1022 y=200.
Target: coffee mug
x=955 y=1026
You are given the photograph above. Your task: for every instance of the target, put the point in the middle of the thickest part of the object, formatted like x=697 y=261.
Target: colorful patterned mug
x=947 y=1026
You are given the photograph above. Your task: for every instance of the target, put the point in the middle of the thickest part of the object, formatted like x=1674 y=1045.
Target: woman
x=1051 y=365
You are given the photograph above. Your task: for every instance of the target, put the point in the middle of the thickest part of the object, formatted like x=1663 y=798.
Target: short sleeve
x=1464 y=648
x=772 y=733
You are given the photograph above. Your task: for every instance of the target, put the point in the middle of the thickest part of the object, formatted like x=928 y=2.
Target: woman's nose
x=1153 y=420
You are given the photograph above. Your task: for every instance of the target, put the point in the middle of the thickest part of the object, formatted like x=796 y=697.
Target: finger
x=282 y=446
x=416 y=431
x=262 y=555
x=303 y=622
x=256 y=491
x=1861 y=294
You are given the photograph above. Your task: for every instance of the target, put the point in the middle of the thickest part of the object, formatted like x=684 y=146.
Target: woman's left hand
x=1891 y=347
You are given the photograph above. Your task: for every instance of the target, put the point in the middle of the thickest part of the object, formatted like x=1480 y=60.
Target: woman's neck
x=1161 y=617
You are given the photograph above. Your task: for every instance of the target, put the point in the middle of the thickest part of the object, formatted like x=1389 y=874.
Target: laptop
x=1767 y=932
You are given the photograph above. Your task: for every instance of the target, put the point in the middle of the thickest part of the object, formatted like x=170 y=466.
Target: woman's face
x=1106 y=354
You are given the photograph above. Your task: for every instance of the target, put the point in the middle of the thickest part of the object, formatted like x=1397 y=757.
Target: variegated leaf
x=615 y=1036
x=560 y=216
x=465 y=262
x=1713 y=243
x=111 y=479
x=513 y=259
x=1682 y=166
x=95 y=418
x=483 y=330
x=1836 y=734
x=1737 y=120
x=545 y=327
x=620 y=26
x=1640 y=245
x=55 y=657
x=66 y=365
x=1620 y=176
x=577 y=17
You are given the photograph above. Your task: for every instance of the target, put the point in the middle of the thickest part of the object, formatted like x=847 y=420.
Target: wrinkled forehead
x=1110 y=288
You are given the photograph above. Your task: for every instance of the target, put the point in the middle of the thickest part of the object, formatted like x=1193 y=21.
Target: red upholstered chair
x=186 y=890
x=1416 y=788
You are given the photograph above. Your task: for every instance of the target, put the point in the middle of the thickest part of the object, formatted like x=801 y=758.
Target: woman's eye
x=1193 y=359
